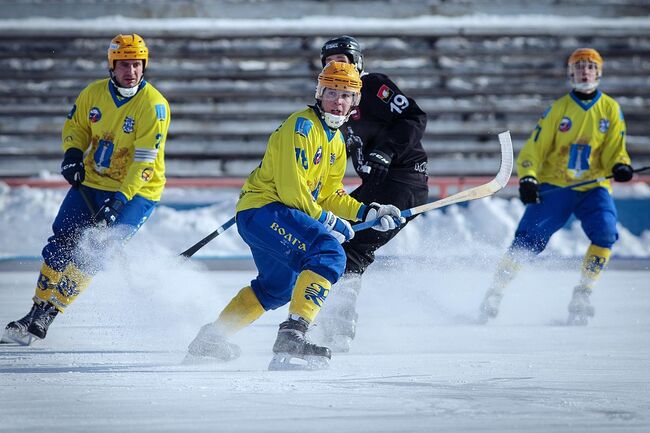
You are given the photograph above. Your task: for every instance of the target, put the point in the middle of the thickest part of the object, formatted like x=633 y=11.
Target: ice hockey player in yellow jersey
x=292 y=213
x=114 y=143
x=580 y=137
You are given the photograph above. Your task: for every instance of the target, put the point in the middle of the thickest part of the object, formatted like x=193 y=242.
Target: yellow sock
x=71 y=284
x=47 y=282
x=593 y=264
x=308 y=295
x=240 y=312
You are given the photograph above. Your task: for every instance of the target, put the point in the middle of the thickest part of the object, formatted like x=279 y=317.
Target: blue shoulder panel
x=303 y=126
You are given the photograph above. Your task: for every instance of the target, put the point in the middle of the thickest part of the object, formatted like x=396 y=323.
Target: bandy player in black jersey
x=383 y=138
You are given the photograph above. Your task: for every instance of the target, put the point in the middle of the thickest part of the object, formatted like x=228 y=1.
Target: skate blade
x=288 y=362
x=18 y=338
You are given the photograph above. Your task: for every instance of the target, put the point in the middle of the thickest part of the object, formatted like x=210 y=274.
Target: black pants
x=361 y=249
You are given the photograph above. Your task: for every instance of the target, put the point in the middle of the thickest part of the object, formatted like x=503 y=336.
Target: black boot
x=291 y=344
x=17 y=331
x=43 y=317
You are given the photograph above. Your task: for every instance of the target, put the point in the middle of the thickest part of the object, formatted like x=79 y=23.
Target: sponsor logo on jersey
x=332 y=158
x=316 y=293
x=288 y=238
x=303 y=126
x=72 y=111
x=129 y=123
x=318 y=156
x=526 y=164
x=565 y=124
x=94 y=115
x=341 y=192
x=603 y=125
x=161 y=111
x=147 y=174
x=385 y=93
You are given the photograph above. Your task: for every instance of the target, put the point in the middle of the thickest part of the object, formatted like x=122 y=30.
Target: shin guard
x=308 y=295
x=593 y=264
x=72 y=283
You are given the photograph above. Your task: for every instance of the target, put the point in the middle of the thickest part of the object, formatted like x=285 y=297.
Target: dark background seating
x=229 y=90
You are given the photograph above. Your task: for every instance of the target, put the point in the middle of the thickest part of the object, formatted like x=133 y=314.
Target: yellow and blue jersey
x=576 y=140
x=303 y=168
x=123 y=138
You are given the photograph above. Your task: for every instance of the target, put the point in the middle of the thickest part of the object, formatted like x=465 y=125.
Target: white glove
x=339 y=228
x=389 y=216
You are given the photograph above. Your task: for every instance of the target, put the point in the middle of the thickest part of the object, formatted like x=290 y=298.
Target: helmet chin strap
x=334 y=121
x=585 y=87
x=126 y=92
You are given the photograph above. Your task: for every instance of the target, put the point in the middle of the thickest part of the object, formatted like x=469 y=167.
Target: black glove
x=109 y=211
x=378 y=163
x=622 y=172
x=529 y=190
x=72 y=167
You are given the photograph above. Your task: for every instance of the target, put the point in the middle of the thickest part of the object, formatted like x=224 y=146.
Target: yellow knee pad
x=60 y=288
x=240 y=312
x=308 y=295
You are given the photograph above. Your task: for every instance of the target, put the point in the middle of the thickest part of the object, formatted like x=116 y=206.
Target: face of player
x=585 y=72
x=337 y=58
x=128 y=73
x=338 y=102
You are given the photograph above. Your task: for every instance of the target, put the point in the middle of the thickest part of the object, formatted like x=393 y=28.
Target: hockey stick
x=89 y=202
x=487 y=189
x=200 y=244
x=587 y=182
x=496 y=184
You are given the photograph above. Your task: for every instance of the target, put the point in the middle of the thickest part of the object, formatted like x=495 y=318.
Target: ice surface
x=419 y=363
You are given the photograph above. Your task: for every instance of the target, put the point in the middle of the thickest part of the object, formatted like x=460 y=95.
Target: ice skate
x=338 y=333
x=209 y=346
x=489 y=308
x=580 y=308
x=294 y=352
x=42 y=319
x=17 y=331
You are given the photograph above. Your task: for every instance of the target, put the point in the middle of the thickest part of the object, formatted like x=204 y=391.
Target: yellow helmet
x=587 y=54
x=339 y=76
x=127 y=47
x=579 y=81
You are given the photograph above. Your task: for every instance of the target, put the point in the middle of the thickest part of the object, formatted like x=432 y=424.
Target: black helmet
x=343 y=45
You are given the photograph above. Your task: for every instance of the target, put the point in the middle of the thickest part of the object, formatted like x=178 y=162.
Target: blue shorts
x=74 y=217
x=285 y=242
x=594 y=209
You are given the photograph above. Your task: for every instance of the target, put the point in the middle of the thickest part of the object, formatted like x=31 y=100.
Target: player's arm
x=533 y=153
x=76 y=132
x=149 y=147
x=614 y=150
x=406 y=120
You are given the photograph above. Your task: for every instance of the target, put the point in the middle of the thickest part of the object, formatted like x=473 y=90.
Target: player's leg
x=535 y=228
x=597 y=214
x=73 y=216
